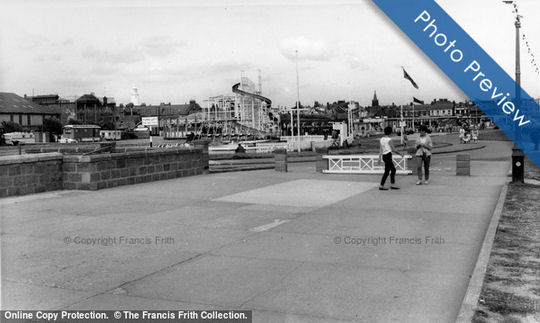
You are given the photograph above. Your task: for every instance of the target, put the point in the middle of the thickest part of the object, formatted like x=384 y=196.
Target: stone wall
x=95 y=172
x=27 y=174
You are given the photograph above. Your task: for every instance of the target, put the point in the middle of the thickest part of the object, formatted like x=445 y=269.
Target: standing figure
x=424 y=145
x=461 y=135
x=475 y=134
x=385 y=153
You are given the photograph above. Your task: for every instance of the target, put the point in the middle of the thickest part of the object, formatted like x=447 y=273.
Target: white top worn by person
x=424 y=145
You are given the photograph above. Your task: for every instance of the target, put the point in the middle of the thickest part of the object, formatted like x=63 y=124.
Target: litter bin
x=463 y=165
x=518 y=165
x=280 y=160
x=321 y=163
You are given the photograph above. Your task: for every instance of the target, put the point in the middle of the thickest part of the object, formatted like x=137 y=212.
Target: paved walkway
x=278 y=243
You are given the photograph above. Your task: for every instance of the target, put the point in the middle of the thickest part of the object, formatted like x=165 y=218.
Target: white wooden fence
x=363 y=164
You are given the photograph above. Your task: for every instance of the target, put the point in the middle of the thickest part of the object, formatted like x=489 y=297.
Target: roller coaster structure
x=245 y=112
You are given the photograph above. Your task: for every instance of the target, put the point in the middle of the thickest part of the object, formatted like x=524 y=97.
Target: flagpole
x=298 y=101
x=413 y=127
x=401 y=109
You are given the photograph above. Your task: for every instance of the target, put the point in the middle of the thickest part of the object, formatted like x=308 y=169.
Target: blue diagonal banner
x=471 y=69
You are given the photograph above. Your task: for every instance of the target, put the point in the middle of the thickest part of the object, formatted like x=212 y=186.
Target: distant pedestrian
x=385 y=154
x=424 y=145
x=240 y=149
x=461 y=135
x=467 y=137
x=474 y=133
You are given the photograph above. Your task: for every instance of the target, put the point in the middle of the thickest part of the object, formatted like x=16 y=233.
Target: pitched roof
x=44 y=96
x=443 y=104
x=13 y=103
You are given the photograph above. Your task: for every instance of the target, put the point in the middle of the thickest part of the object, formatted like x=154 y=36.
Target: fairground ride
x=246 y=112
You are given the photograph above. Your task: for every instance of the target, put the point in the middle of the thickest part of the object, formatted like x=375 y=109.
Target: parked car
x=16 y=138
x=64 y=140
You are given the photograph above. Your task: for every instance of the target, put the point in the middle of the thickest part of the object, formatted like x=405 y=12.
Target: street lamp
x=517 y=154
x=297 y=102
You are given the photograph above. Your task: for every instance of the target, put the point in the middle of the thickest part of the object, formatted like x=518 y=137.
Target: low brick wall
x=27 y=174
x=94 y=172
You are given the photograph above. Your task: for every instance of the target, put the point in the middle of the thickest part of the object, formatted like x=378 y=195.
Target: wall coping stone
x=29 y=158
x=129 y=154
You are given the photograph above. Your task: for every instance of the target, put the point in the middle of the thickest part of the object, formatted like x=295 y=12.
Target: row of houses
x=30 y=111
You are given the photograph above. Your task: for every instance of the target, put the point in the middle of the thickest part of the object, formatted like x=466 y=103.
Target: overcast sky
x=174 y=51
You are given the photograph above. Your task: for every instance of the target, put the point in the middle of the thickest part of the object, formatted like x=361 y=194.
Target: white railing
x=315 y=138
x=363 y=164
x=267 y=147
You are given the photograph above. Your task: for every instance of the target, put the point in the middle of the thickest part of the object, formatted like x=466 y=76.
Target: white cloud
x=160 y=46
x=113 y=56
x=314 y=50
x=156 y=46
x=356 y=63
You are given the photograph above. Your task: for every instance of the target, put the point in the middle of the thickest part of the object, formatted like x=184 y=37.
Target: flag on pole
x=408 y=77
x=415 y=100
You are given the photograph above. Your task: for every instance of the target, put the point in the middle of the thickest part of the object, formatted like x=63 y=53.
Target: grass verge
x=511 y=289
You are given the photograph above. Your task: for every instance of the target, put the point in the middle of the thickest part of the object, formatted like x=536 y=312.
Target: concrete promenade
x=294 y=247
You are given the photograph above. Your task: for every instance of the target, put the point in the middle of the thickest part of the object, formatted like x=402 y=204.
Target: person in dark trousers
x=424 y=145
x=385 y=153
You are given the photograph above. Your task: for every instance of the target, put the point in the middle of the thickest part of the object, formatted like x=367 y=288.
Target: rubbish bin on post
x=518 y=166
x=463 y=165
x=280 y=160
x=321 y=163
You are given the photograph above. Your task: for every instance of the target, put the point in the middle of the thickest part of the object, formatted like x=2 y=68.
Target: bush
x=53 y=126
x=10 y=126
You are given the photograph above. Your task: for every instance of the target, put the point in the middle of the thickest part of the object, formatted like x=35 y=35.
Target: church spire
x=375 y=101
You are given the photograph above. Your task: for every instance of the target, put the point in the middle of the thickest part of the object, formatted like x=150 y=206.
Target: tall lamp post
x=297 y=103
x=518 y=67
x=518 y=169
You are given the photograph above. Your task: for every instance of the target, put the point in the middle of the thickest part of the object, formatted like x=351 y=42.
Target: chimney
x=104 y=101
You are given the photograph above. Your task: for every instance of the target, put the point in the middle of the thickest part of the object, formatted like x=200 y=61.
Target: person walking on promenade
x=424 y=145
x=385 y=153
x=461 y=135
x=474 y=133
